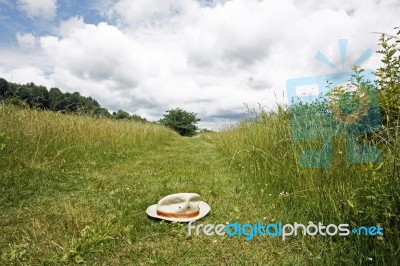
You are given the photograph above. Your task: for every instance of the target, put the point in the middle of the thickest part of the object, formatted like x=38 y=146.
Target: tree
x=121 y=114
x=102 y=112
x=181 y=121
x=4 y=88
x=56 y=99
x=23 y=92
x=72 y=101
x=137 y=118
x=40 y=97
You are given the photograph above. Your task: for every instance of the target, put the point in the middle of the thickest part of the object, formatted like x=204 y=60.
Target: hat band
x=178 y=215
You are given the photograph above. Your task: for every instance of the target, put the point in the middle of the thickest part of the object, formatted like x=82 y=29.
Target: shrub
x=181 y=121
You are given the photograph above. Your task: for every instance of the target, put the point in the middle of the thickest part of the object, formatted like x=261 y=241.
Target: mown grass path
x=186 y=165
x=98 y=216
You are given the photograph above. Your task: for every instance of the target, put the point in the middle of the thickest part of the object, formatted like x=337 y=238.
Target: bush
x=389 y=79
x=181 y=121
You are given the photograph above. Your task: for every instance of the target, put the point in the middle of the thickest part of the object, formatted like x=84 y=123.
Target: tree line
x=39 y=97
x=30 y=95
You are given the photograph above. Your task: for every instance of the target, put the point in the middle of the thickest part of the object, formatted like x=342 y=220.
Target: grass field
x=75 y=190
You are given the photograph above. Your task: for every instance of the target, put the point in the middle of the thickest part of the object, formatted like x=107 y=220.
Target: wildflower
x=283 y=194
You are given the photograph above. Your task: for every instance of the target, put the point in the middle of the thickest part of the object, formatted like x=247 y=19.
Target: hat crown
x=180 y=203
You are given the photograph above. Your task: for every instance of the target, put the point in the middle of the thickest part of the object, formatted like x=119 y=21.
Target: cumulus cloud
x=45 y=9
x=97 y=56
x=133 y=13
x=141 y=10
x=25 y=74
x=26 y=41
x=209 y=57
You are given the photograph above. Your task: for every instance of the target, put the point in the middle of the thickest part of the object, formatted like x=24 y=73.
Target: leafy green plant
x=389 y=79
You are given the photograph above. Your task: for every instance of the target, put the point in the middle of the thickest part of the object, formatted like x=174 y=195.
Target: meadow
x=74 y=190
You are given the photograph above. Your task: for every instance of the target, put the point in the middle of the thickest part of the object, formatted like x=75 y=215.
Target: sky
x=211 y=57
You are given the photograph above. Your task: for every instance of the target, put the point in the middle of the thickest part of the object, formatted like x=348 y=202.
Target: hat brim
x=204 y=210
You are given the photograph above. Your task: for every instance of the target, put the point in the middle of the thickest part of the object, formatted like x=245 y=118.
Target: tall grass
x=73 y=189
x=364 y=194
x=40 y=138
x=41 y=150
x=53 y=195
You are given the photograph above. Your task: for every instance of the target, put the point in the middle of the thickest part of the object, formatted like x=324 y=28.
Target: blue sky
x=209 y=57
x=14 y=19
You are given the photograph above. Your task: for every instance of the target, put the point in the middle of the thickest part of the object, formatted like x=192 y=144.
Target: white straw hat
x=180 y=207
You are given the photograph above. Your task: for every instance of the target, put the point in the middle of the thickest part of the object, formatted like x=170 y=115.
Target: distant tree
x=121 y=114
x=72 y=101
x=4 y=88
x=12 y=88
x=183 y=122
x=102 y=112
x=40 y=97
x=56 y=98
x=91 y=103
x=23 y=92
x=32 y=95
x=138 y=118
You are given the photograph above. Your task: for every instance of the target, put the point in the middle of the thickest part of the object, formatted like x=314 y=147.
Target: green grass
x=75 y=190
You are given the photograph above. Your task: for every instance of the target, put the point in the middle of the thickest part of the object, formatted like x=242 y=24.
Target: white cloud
x=68 y=27
x=138 y=10
x=44 y=9
x=26 y=41
x=206 y=58
x=25 y=74
x=149 y=12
